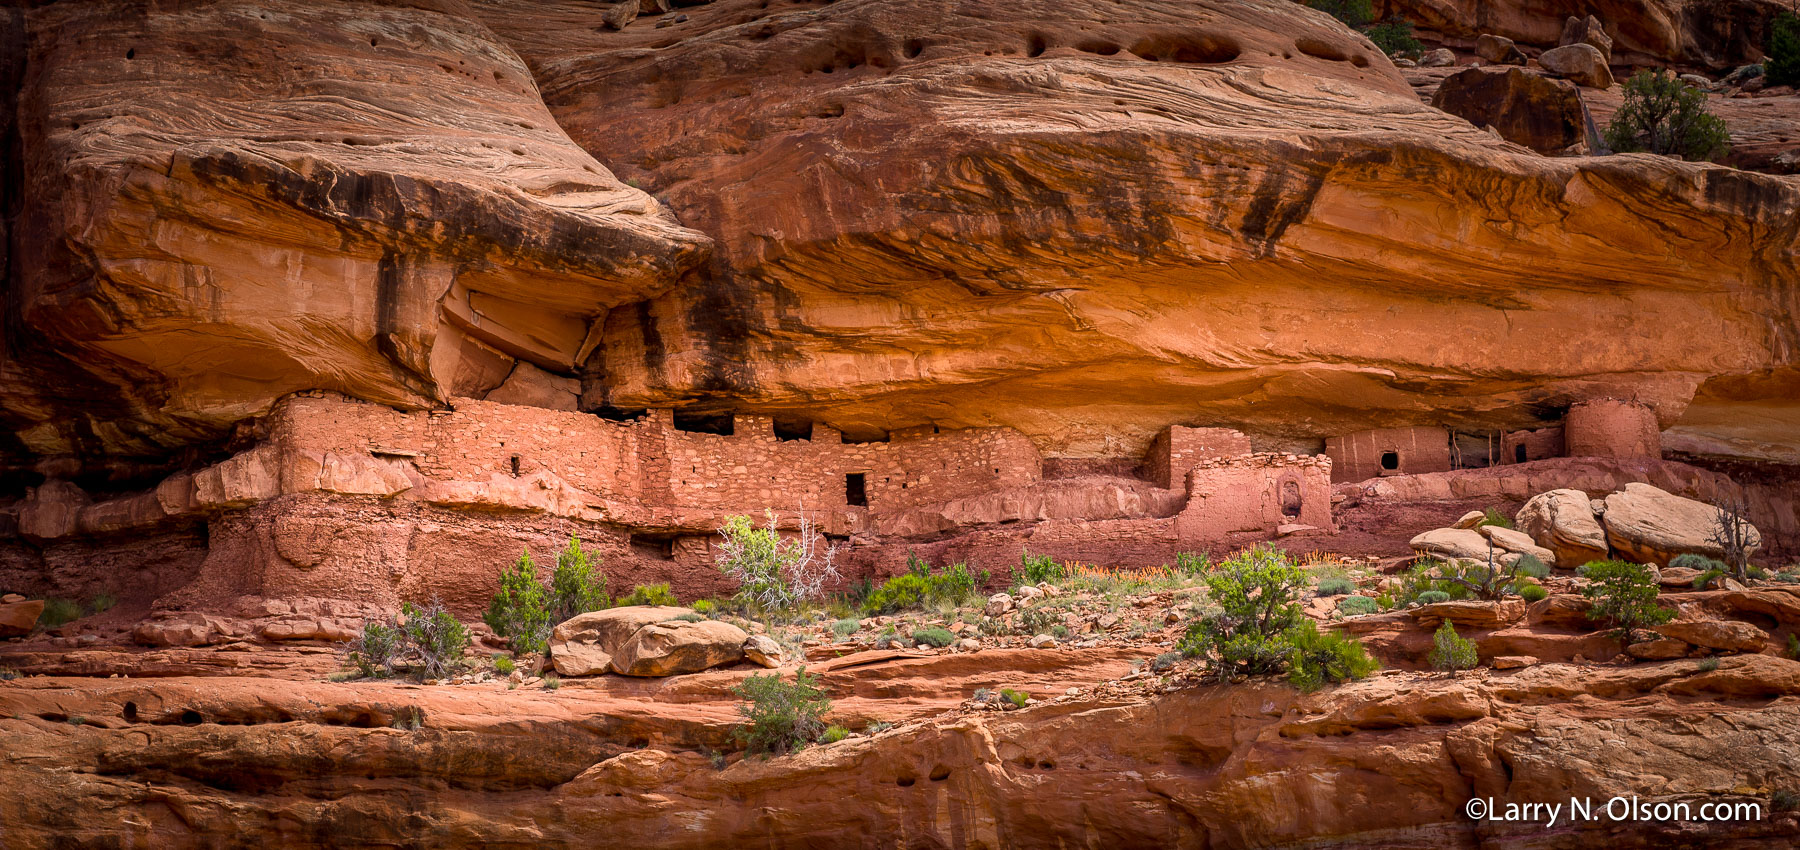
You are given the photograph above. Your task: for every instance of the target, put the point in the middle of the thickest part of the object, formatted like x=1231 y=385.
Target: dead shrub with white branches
x=775 y=572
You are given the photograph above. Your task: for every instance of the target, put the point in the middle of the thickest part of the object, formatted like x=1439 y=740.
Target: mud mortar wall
x=1358 y=456
x=1612 y=428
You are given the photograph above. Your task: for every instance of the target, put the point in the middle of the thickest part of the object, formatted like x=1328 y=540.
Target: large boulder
x=18 y=618
x=1451 y=543
x=1498 y=50
x=1583 y=63
x=1512 y=540
x=679 y=646
x=1650 y=525
x=1727 y=635
x=584 y=645
x=1524 y=108
x=1563 y=521
x=1588 y=31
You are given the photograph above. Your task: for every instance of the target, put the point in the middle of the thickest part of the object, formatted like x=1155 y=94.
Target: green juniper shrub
x=650 y=594
x=1624 y=595
x=58 y=612
x=1164 y=661
x=903 y=592
x=503 y=664
x=520 y=611
x=934 y=636
x=575 y=586
x=1782 y=65
x=1450 y=651
x=781 y=715
x=833 y=734
x=102 y=601
x=436 y=637
x=1394 y=36
x=1709 y=664
x=377 y=650
x=1533 y=592
x=1017 y=698
x=1037 y=569
x=1321 y=658
x=1663 y=115
x=1432 y=597
x=1336 y=586
x=1356 y=606
x=1256 y=592
x=846 y=627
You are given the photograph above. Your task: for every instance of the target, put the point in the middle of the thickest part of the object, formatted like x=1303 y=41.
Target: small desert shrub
x=1164 y=661
x=649 y=594
x=1663 y=115
x=1784 y=800
x=1017 y=698
x=1533 y=592
x=834 y=734
x=781 y=715
x=1696 y=561
x=1336 y=586
x=705 y=607
x=1707 y=665
x=377 y=649
x=436 y=637
x=1707 y=578
x=846 y=627
x=520 y=611
x=1757 y=573
x=58 y=612
x=1782 y=65
x=878 y=727
x=77 y=720
x=981 y=694
x=575 y=586
x=1432 y=597
x=1321 y=658
x=411 y=718
x=934 y=636
x=102 y=601
x=551 y=682
x=1037 y=620
x=341 y=675
x=689 y=617
x=919 y=586
x=1037 y=569
x=1191 y=564
x=1793 y=646
x=1530 y=567
x=1355 y=606
x=1624 y=595
x=901 y=593
x=504 y=665
x=8 y=674
x=1493 y=516
x=1450 y=651
x=1059 y=631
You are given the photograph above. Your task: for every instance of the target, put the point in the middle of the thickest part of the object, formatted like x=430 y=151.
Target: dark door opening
x=1290 y=498
x=1390 y=460
x=704 y=423
x=856 y=489
x=1519 y=453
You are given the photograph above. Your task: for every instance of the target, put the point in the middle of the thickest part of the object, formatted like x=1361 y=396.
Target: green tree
x=1450 y=651
x=1782 y=65
x=1663 y=115
x=1257 y=594
x=781 y=715
x=575 y=587
x=1624 y=595
x=437 y=637
x=520 y=611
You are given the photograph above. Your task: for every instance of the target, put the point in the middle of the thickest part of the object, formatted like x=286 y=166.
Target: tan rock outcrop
x=1582 y=63
x=585 y=644
x=676 y=647
x=1650 y=525
x=1563 y=522
x=19 y=618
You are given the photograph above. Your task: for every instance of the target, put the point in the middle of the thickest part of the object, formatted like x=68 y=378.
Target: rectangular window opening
x=856 y=489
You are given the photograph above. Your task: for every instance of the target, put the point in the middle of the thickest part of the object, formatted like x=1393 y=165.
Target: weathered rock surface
x=763 y=650
x=1653 y=526
x=1452 y=543
x=18 y=618
x=1644 y=32
x=1728 y=635
x=676 y=647
x=1517 y=541
x=1582 y=63
x=585 y=644
x=1525 y=108
x=1589 y=31
x=1563 y=522
x=1498 y=50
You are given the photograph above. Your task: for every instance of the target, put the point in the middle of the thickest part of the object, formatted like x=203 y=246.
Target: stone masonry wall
x=1357 y=457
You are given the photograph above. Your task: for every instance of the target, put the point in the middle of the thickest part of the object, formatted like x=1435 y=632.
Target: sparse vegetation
x=1493 y=516
x=77 y=720
x=1663 y=115
x=1451 y=652
x=1710 y=577
x=775 y=572
x=878 y=727
x=436 y=638
x=551 y=682
x=376 y=650
x=1784 y=800
x=1258 y=626
x=1356 y=606
x=846 y=627
x=58 y=613
x=1732 y=534
x=1037 y=569
x=1782 y=62
x=575 y=586
x=1530 y=567
x=781 y=716
x=102 y=601
x=1394 y=36
x=1018 y=698
x=834 y=734
x=1708 y=664
x=689 y=617
x=1354 y=14
x=934 y=636
x=650 y=594
x=1793 y=646
x=919 y=586
x=1533 y=592
x=410 y=718
x=1624 y=595
x=1192 y=564
x=1165 y=661
x=705 y=607
x=1336 y=586
x=1432 y=597
x=503 y=664
x=8 y=674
